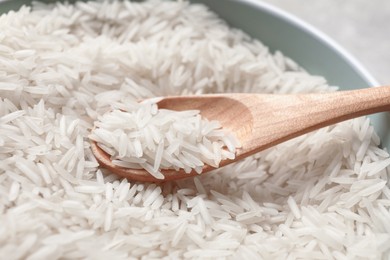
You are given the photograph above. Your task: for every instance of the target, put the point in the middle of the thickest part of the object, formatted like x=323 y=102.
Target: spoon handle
x=295 y=115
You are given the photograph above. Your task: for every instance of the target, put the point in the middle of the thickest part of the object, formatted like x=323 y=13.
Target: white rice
x=322 y=195
x=143 y=136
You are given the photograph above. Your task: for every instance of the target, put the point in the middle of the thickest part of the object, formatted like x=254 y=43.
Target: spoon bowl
x=260 y=121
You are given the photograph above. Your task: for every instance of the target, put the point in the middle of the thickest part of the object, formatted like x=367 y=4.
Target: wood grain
x=261 y=121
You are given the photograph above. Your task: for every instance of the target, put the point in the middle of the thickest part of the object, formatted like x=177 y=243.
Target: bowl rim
x=316 y=33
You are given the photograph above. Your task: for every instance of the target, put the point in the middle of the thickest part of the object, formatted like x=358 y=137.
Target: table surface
x=361 y=27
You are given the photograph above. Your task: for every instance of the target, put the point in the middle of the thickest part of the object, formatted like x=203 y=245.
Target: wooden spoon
x=260 y=121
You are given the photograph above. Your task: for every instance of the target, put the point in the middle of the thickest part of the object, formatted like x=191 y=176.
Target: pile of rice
x=141 y=136
x=324 y=195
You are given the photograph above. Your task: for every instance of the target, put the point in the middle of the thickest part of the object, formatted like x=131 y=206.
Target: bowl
x=312 y=49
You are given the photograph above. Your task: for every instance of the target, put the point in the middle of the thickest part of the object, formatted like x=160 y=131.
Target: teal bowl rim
x=317 y=34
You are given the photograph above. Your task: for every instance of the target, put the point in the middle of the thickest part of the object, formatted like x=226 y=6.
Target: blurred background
x=362 y=27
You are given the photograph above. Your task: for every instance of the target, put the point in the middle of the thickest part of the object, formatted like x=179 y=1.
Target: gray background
x=362 y=27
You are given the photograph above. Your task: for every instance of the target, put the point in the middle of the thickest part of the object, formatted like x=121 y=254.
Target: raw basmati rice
x=323 y=195
x=143 y=136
